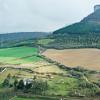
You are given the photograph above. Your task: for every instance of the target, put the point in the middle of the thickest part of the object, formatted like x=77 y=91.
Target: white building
x=27 y=81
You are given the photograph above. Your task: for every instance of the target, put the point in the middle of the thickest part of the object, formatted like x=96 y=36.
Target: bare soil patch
x=87 y=58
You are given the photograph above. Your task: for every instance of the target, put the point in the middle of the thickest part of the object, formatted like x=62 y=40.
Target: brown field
x=87 y=58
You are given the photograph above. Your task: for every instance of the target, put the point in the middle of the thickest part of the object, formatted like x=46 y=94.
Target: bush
x=21 y=85
x=6 y=83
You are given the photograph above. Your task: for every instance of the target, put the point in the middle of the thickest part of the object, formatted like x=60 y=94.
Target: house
x=27 y=81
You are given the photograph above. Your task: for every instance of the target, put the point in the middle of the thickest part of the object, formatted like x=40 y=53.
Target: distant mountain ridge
x=22 y=36
x=90 y=24
x=15 y=39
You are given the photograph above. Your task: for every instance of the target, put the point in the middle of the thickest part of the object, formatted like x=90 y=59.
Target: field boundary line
x=3 y=70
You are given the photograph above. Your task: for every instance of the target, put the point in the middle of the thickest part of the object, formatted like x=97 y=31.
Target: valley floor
x=61 y=81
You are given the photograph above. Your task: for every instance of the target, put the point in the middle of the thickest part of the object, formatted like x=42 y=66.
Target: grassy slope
x=68 y=98
x=18 y=52
x=35 y=98
x=19 y=55
x=61 y=85
x=45 y=41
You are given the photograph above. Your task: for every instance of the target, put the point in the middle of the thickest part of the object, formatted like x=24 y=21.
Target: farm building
x=27 y=81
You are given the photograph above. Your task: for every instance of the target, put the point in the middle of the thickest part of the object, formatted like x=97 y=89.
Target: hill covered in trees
x=90 y=24
x=22 y=36
x=84 y=34
x=13 y=39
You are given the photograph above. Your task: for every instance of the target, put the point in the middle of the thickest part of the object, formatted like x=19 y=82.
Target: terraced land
x=25 y=63
x=87 y=58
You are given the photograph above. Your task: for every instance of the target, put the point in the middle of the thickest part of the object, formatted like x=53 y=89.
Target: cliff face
x=90 y=24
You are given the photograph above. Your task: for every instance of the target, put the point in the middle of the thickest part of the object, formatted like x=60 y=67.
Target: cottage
x=27 y=81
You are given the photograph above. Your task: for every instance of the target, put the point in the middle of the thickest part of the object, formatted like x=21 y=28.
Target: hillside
x=10 y=39
x=84 y=34
x=90 y=24
x=22 y=35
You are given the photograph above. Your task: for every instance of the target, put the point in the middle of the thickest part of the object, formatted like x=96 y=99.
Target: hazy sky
x=42 y=15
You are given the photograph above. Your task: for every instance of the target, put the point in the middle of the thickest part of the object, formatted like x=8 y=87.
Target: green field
x=22 y=99
x=19 y=55
x=45 y=41
x=34 y=98
x=18 y=98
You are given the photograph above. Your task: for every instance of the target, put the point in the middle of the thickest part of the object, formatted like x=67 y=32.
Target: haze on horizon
x=42 y=15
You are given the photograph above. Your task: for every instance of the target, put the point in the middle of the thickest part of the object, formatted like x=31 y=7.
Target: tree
x=15 y=84
x=34 y=77
x=6 y=83
x=21 y=85
x=9 y=76
x=27 y=87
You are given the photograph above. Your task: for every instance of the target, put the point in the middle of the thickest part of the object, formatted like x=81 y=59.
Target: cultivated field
x=87 y=58
x=19 y=55
x=26 y=63
x=19 y=61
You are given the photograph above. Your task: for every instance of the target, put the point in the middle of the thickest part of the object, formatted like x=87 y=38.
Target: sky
x=42 y=15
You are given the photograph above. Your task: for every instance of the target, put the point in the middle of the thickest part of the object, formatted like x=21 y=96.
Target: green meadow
x=45 y=41
x=35 y=98
x=19 y=55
